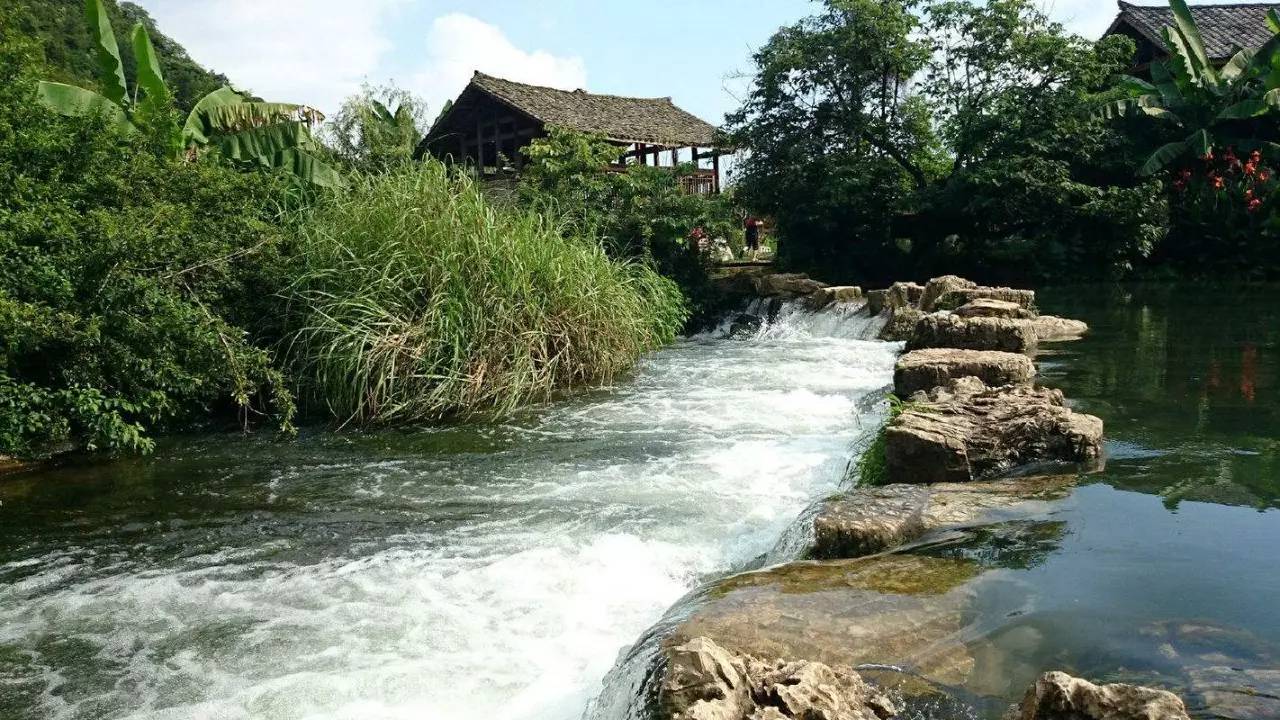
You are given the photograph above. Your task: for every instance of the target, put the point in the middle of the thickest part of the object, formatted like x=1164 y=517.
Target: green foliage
x=836 y=146
x=127 y=283
x=891 y=139
x=1202 y=108
x=368 y=135
x=643 y=214
x=67 y=46
x=872 y=468
x=243 y=131
x=416 y=298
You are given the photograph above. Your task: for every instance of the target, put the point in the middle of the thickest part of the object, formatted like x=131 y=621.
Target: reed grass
x=418 y=299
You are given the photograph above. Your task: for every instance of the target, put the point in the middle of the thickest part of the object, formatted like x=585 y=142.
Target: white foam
x=519 y=576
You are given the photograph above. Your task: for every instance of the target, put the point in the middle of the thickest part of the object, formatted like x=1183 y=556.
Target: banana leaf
x=1194 y=44
x=1179 y=66
x=196 y=130
x=77 y=102
x=1161 y=158
x=1273 y=21
x=310 y=169
x=240 y=116
x=106 y=54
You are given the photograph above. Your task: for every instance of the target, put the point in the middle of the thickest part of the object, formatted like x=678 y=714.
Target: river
x=473 y=571
x=502 y=570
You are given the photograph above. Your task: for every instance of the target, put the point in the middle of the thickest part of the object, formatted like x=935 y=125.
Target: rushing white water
x=488 y=572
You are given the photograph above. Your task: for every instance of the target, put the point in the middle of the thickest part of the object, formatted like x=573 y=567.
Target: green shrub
x=642 y=214
x=126 y=282
x=415 y=298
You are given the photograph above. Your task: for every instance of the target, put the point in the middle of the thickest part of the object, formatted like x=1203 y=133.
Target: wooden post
x=715 y=169
x=694 y=160
x=675 y=157
x=479 y=148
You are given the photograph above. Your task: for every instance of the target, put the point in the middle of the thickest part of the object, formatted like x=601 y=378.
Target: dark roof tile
x=1226 y=29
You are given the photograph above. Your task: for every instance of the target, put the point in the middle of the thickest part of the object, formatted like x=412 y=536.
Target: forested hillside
x=60 y=27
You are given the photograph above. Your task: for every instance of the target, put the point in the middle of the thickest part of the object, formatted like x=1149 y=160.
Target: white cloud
x=309 y=51
x=1089 y=18
x=458 y=44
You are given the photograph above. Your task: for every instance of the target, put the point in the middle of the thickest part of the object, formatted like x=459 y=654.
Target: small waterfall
x=777 y=319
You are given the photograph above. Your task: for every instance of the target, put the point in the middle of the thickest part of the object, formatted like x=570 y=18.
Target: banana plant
x=240 y=129
x=1212 y=105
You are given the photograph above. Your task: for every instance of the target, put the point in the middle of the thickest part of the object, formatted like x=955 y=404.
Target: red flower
x=1264 y=176
x=1217 y=183
x=1255 y=156
x=1248 y=194
x=1250 y=168
x=1254 y=204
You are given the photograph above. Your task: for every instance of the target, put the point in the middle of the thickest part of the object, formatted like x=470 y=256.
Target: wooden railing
x=701 y=182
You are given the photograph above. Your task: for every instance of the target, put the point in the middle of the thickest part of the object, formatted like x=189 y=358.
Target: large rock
x=983 y=307
x=873 y=519
x=787 y=285
x=977 y=333
x=876 y=301
x=925 y=369
x=904 y=294
x=1049 y=328
x=904 y=610
x=901 y=324
x=833 y=295
x=1058 y=696
x=952 y=299
x=704 y=681
x=940 y=286
x=966 y=431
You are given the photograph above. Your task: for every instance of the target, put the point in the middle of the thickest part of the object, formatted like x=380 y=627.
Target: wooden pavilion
x=493 y=119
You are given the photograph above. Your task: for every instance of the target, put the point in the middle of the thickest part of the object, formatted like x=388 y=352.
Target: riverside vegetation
x=175 y=256
x=145 y=290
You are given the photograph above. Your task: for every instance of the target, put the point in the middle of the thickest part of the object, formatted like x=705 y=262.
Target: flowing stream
x=476 y=571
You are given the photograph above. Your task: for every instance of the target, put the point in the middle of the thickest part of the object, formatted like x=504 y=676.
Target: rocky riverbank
x=969 y=422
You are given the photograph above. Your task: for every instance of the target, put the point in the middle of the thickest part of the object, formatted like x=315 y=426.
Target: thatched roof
x=653 y=121
x=1226 y=29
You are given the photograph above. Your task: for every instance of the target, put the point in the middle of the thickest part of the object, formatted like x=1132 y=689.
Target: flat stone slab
x=1238 y=693
x=940 y=286
x=903 y=610
x=788 y=285
x=832 y=296
x=1049 y=328
x=874 y=519
x=966 y=431
x=931 y=367
x=954 y=299
x=901 y=324
x=986 y=307
x=975 y=333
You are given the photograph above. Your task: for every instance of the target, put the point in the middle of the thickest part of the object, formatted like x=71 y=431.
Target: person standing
x=753 y=234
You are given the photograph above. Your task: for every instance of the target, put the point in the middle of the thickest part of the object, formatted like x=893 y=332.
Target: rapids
x=489 y=571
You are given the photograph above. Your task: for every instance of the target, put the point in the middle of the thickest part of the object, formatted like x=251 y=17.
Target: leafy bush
x=642 y=214
x=415 y=298
x=127 y=282
x=367 y=134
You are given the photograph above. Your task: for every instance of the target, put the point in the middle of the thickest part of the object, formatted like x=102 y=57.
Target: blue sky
x=319 y=51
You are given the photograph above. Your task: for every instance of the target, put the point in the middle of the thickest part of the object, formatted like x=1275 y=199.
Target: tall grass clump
x=416 y=299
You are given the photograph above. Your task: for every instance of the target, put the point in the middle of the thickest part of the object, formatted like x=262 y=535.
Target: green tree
x=269 y=135
x=368 y=135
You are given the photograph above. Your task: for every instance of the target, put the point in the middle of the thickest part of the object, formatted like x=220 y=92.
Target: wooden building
x=1225 y=29
x=493 y=119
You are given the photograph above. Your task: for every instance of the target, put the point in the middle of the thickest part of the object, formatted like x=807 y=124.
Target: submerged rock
x=871 y=520
x=976 y=333
x=984 y=307
x=966 y=431
x=1058 y=696
x=704 y=681
x=903 y=610
x=1049 y=328
x=745 y=323
x=1238 y=693
x=833 y=295
x=789 y=285
x=925 y=369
